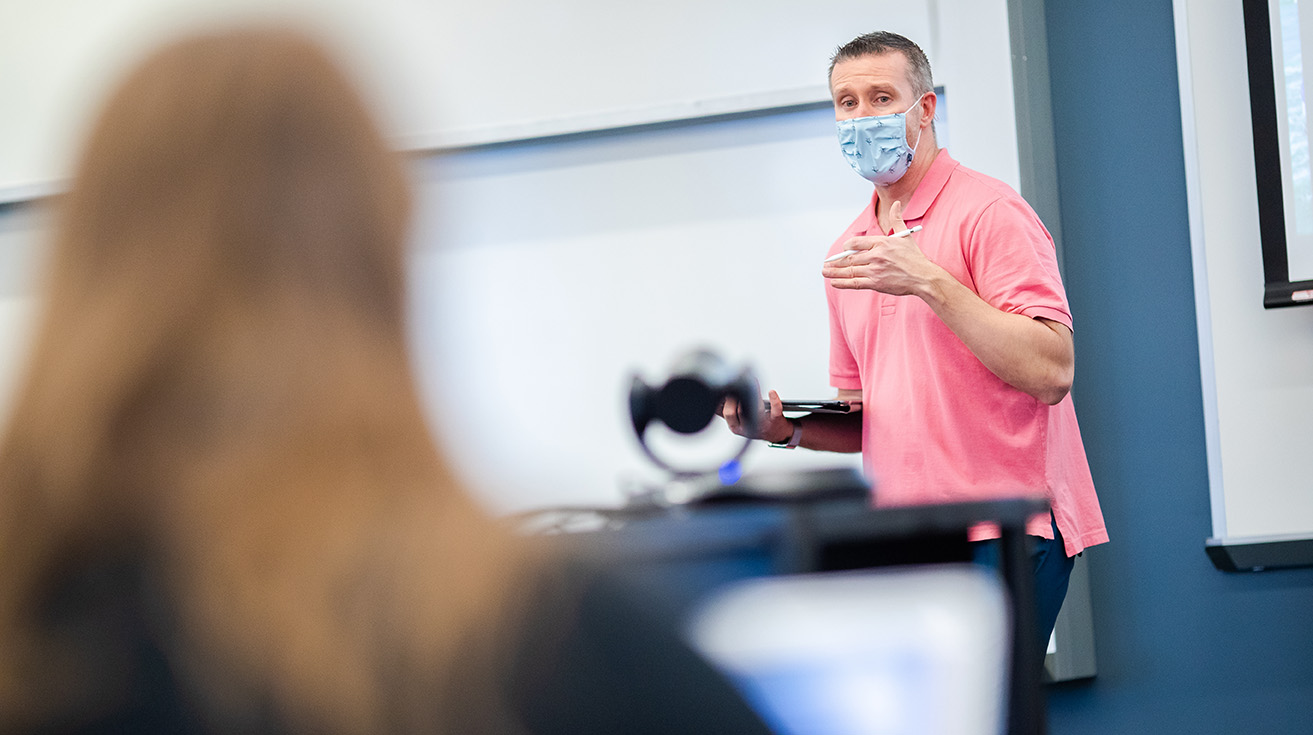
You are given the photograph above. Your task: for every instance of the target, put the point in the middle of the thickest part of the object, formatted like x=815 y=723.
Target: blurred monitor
x=907 y=650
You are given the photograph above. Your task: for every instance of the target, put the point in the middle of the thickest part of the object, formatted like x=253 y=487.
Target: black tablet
x=821 y=406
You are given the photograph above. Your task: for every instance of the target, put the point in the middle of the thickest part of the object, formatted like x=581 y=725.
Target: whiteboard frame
x=1250 y=358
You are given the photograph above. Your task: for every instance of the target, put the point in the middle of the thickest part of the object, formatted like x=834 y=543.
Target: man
x=956 y=339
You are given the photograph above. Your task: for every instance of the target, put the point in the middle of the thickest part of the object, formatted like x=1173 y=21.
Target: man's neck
x=901 y=190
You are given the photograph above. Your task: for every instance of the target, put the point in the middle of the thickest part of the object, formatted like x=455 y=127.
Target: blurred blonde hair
x=220 y=390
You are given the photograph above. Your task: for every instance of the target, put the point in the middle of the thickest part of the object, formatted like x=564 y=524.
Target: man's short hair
x=882 y=42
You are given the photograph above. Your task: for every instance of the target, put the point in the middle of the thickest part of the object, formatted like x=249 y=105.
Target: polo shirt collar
x=926 y=191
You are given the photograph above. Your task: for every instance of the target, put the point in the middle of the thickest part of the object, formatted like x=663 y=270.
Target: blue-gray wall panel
x=1181 y=646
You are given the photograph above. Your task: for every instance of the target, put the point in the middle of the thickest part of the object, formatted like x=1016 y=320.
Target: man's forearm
x=832 y=432
x=1032 y=355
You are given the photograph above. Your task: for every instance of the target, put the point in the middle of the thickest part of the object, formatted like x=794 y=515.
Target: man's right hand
x=771 y=426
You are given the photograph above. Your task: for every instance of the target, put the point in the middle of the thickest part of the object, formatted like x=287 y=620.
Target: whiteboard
x=1258 y=387
x=451 y=74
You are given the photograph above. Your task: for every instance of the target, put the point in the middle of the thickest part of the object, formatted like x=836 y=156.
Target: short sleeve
x=1014 y=263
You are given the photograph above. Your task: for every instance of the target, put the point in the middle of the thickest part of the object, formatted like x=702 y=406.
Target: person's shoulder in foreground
x=583 y=650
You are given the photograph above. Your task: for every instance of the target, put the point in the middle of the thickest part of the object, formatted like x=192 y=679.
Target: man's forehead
x=891 y=64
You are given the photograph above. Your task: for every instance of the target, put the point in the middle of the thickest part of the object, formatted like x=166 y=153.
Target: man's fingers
x=851 y=283
x=837 y=272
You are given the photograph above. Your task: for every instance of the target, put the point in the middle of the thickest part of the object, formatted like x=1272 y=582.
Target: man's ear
x=929 y=103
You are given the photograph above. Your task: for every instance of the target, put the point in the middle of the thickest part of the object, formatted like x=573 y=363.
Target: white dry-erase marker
x=846 y=253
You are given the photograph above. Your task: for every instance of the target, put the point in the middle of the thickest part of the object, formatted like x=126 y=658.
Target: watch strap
x=793 y=440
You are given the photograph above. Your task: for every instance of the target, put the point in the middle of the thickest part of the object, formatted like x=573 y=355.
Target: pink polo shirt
x=938 y=426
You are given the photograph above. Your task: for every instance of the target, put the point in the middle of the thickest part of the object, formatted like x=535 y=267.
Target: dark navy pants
x=1052 y=573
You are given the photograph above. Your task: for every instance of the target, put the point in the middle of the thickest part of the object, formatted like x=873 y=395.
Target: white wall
x=1257 y=364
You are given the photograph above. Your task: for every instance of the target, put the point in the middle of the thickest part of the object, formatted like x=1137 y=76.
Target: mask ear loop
x=919 y=131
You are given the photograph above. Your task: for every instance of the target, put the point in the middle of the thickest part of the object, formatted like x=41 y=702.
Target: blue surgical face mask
x=876 y=147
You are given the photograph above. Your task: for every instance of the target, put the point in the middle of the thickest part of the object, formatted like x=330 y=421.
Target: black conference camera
x=689 y=400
